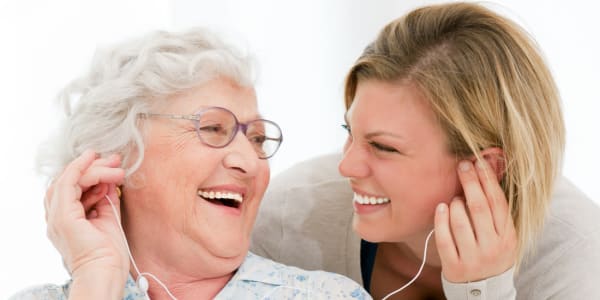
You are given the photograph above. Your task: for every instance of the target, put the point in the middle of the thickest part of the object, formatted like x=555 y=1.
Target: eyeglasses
x=217 y=126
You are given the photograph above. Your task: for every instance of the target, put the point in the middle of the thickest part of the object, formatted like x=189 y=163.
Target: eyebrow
x=256 y=116
x=376 y=133
x=383 y=133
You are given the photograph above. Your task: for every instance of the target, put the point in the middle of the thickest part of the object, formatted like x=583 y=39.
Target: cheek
x=420 y=185
x=262 y=179
x=439 y=186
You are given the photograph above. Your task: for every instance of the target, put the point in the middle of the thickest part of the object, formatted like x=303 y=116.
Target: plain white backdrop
x=303 y=48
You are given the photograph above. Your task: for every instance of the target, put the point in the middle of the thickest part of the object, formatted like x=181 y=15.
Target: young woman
x=454 y=130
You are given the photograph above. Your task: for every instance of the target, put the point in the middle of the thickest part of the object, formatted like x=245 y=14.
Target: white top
x=305 y=220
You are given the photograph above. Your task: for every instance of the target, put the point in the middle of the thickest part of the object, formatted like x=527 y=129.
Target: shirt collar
x=259 y=269
x=254 y=268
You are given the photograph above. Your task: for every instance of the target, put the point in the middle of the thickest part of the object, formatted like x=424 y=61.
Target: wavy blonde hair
x=489 y=87
x=101 y=107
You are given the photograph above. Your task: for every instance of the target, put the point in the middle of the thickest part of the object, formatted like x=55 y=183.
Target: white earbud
x=142 y=283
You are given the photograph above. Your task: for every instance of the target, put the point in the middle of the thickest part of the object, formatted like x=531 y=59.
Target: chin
x=368 y=232
x=230 y=248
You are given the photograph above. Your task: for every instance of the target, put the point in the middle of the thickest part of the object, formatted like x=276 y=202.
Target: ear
x=495 y=158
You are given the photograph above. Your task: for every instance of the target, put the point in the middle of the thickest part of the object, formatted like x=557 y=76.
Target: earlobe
x=494 y=156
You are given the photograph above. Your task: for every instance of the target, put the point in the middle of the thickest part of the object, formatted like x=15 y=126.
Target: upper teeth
x=370 y=200
x=221 y=195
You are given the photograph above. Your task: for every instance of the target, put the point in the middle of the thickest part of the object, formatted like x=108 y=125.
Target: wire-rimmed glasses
x=217 y=127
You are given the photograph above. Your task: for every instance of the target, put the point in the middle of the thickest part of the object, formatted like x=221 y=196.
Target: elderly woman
x=449 y=173
x=166 y=140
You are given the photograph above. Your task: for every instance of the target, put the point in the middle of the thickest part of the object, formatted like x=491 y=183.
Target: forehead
x=389 y=99
x=221 y=92
x=392 y=106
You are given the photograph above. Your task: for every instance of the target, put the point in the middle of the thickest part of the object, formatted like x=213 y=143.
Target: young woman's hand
x=81 y=222
x=476 y=237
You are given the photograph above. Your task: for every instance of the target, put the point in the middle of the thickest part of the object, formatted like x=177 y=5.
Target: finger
x=90 y=198
x=495 y=195
x=113 y=160
x=461 y=229
x=96 y=174
x=105 y=208
x=443 y=236
x=65 y=187
x=92 y=214
x=477 y=203
x=76 y=168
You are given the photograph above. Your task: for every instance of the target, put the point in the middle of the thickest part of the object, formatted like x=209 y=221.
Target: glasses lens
x=216 y=126
x=265 y=137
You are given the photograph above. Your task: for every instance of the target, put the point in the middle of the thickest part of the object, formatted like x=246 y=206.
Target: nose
x=241 y=156
x=354 y=163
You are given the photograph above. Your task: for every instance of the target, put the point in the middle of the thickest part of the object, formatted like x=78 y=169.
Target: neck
x=186 y=288
x=187 y=274
x=398 y=263
x=182 y=282
x=415 y=248
x=405 y=258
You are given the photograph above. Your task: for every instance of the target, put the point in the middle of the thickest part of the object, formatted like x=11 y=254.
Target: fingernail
x=481 y=164
x=92 y=214
x=96 y=189
x=441 y=207
x=464 y=166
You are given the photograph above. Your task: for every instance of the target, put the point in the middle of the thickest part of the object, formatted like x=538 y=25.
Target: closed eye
x=383 y=148
x=347 y=128
x=213 y=129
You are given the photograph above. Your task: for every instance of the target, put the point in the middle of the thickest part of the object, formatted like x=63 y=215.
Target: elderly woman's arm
x=84 y=229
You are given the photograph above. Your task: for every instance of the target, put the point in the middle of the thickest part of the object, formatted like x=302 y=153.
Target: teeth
x=220 y=195
x=360 y=199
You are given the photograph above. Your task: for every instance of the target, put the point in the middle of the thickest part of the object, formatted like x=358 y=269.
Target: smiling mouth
x=229 y=199
x=366 y=200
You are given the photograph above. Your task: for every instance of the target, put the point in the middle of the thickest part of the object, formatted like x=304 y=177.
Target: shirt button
x=476 y=292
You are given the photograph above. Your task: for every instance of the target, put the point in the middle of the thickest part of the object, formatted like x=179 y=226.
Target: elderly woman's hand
x=81 y=222
x=476 y=238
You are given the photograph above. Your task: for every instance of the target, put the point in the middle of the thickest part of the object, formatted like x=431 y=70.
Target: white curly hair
x=101 y=108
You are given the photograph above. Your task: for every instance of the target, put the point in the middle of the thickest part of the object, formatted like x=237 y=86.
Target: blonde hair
x=101 y=108
x=489 y=87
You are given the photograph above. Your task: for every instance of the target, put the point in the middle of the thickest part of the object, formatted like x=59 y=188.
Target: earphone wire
x=131 y=256
x=418 y=273
x=173 y=297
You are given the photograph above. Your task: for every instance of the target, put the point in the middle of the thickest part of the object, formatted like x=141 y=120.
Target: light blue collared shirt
x=257 y=278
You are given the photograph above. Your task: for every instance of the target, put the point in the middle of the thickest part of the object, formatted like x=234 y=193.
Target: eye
x=383 y=148
x=347 y=128
x=213 y=129
x=257 y=139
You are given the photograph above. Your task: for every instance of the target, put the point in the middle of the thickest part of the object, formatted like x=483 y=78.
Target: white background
x=304 y=49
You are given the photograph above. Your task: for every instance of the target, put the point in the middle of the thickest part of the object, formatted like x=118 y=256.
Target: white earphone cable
x=145 y=289
x=418 y=273
x=143 y=286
